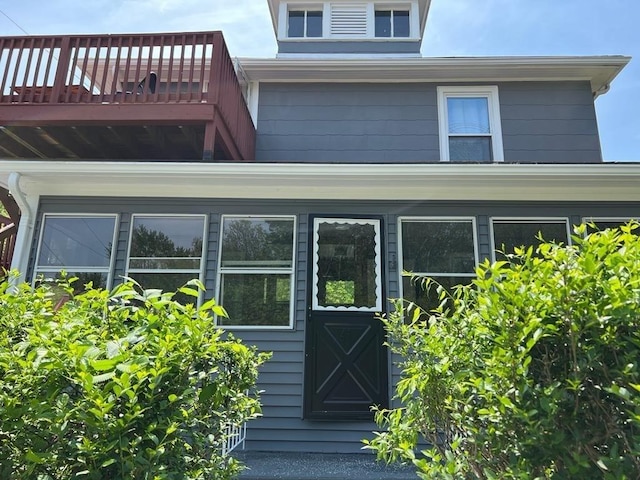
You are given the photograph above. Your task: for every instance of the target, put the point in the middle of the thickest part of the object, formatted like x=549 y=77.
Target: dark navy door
x=346 y=367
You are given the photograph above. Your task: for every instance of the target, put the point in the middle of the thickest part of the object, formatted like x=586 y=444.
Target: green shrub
x=531 y=372
x=126 y=384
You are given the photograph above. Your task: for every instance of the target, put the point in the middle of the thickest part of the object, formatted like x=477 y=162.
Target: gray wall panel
x=542 y=122
x=342 y=46
x=282 y=428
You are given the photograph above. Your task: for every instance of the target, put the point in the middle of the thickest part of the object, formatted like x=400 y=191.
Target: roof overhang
x=598 y=70
x=474 y=182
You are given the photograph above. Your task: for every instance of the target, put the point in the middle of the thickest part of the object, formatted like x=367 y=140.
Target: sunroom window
x=469 y=120
x=81 y=245
x=256 y=271
x=392 y=23
x=165 y=251
x=442 y=249
x=511 y=233
x=304 y=23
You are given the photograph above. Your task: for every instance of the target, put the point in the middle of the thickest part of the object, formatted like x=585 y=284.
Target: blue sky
x=454 y=28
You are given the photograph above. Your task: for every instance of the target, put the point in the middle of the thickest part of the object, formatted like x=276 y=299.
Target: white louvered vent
x=349 y=20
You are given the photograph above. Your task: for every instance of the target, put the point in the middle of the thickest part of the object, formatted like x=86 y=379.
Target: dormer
x=349 y=27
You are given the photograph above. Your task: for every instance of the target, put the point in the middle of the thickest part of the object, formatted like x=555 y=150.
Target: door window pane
x=347 y=264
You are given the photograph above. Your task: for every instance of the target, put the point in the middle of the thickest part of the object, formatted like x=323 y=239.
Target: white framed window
x=442 y=248
x=392 y=22
x=507 y=233
x=256 y=271
x=349 y=20
x=469 y=124
x=79 y=244
x=602 y=223
x=166 y=251
x=305 y=22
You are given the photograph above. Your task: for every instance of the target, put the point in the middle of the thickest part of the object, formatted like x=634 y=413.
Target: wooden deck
x=122 y=97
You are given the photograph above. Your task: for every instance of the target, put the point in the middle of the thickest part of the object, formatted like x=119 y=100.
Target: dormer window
x=305 y=23
x=350 y=20
x=392 y=23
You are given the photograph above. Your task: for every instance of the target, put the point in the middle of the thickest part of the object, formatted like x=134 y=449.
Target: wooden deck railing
x=109 y=69
x=8 y=233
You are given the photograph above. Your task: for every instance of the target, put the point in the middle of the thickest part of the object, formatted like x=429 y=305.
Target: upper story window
x=392 y=23
x=349 y=20
x=305 y=23
x=469 y=119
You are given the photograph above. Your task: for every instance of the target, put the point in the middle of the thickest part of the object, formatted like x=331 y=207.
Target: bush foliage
x=531 y=372
x=121 y=384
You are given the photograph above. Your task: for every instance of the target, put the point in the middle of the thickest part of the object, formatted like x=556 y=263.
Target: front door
x=345 y=360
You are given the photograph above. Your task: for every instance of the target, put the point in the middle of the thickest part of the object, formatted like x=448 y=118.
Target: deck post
x=62 y=70
x=210 y=133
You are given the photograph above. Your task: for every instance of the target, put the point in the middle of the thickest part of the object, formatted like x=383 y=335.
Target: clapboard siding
x=544 y=122
x=282 y=426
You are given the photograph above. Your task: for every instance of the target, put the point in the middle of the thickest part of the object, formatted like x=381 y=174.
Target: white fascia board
x=500 y=182
x=599 y=70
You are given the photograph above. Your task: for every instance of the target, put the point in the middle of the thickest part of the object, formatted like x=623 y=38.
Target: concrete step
x=319 y=466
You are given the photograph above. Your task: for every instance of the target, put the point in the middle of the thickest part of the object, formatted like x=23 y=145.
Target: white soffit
x=507 y=182
x=599 y=70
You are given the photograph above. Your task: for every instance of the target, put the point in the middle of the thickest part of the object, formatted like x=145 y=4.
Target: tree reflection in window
x=166 y=251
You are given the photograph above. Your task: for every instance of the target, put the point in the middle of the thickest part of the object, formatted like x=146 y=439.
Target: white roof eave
x=479 y=182
x=599 y=70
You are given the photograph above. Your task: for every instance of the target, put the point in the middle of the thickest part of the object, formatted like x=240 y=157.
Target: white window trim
x=447 y=219
x=556 y=220
x=609 y=219
x=398 y=7
x=495 y=125
x=325 y=7
x=286 y=8
x=37 y=270
x=266 y=271
x=377 y=224
x=199 y=271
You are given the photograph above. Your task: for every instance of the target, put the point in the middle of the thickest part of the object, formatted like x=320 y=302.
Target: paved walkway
x=319 y=466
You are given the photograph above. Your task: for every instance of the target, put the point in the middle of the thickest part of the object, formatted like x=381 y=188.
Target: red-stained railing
x=8 y=233
x=108 y=69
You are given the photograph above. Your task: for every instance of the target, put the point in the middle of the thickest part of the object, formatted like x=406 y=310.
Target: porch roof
x=442 y=181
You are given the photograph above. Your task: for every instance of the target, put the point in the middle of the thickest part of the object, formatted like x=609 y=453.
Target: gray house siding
x=282 y=427
x=346 y=47
x=388 y=123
